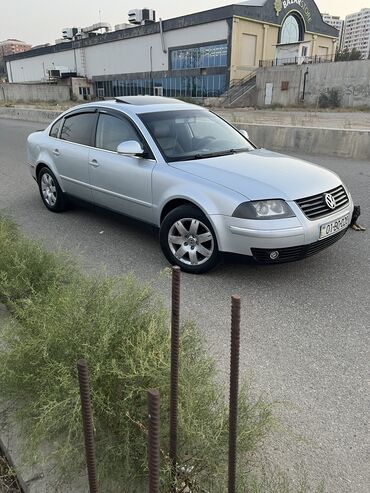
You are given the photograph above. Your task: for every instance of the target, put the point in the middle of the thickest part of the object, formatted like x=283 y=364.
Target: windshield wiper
x=211 y=154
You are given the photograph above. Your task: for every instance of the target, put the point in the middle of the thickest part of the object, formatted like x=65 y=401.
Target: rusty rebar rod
x=83 y=378
x=175 y=337
x=234 y=390
x=154 y=440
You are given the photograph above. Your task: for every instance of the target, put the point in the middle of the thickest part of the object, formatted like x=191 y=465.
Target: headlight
x=263 y=209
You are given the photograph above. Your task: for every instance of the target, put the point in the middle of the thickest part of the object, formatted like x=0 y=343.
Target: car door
x=71 y=152
x=119 y=182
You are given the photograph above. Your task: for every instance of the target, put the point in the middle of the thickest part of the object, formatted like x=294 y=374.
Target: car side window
x=78 y=128
x=112 y=131
x=54 y=131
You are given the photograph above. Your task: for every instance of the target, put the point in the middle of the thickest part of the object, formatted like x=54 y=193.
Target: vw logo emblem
x=330 y=201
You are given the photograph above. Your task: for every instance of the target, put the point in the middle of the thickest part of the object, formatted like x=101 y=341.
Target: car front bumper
x=293 y=238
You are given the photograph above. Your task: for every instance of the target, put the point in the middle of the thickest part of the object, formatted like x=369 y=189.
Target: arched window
x=290 y=31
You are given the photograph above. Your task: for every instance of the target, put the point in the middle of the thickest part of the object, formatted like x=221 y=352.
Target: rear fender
x=44 y=159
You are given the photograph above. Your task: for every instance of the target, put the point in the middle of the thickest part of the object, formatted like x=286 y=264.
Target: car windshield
x=193 y=134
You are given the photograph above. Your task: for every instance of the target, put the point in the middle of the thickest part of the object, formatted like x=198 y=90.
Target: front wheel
x=188 y=240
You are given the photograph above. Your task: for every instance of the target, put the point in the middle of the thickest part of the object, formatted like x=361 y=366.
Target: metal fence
x=297 y=60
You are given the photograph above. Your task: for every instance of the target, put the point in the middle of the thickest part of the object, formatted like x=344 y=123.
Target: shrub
x=331 y=99
x=323 y=100
x=59 y=316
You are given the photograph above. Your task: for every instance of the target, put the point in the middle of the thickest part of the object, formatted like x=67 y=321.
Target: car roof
x=141 y=104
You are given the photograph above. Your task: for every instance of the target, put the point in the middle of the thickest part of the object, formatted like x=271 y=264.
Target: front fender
x=212 y=199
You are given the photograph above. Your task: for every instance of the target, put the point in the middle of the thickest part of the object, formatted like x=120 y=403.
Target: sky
x=41 y=21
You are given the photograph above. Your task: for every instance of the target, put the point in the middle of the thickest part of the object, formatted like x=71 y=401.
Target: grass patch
x=122 y=329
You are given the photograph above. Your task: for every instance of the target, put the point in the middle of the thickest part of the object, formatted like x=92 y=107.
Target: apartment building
x=12 y=47
x=356 y=32
x=335 y=21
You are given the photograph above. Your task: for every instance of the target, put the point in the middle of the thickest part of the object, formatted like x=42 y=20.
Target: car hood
x=262 y=174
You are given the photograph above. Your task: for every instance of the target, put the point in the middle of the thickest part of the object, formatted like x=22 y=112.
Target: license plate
x=333 y=227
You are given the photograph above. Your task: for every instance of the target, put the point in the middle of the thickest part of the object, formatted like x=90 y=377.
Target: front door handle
x=94 y=163
x=56 y=152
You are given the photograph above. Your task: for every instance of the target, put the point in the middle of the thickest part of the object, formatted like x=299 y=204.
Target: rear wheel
x=50 y=191
x=188 y=240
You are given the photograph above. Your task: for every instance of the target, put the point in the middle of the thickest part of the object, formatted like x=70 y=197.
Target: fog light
x=274 y=255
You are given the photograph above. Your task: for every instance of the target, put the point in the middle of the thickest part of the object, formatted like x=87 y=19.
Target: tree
x=346 y=55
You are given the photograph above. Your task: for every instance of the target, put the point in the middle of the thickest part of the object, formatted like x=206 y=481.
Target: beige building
x=279 y=32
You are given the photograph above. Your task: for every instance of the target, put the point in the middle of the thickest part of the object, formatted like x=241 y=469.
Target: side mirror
x=244 y=133
x=130 y=148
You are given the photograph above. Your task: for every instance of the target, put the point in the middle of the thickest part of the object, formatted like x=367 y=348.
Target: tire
x=51 y=193
x=188 y=240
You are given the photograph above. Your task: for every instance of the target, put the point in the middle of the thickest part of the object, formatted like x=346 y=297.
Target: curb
x=29 y=114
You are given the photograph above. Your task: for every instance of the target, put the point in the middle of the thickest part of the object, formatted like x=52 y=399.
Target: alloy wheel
x=191 y=241
x=48 y=189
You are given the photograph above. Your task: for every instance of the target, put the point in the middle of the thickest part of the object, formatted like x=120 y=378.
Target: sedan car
x=201 y=181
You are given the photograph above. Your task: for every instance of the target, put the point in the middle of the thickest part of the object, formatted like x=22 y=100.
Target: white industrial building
x=356 y=32
x=195 y=55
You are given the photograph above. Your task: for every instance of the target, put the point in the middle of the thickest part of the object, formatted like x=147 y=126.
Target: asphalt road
x=305 y=325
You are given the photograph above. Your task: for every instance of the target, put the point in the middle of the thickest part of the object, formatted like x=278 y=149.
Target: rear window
x=79 y=128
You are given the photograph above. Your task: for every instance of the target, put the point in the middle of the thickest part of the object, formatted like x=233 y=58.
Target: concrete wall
x=355 y=120
x=34 y=92
x=276 y=75
x=295 y=132
x=354 y=144
x=351 y=79
x=125 y=56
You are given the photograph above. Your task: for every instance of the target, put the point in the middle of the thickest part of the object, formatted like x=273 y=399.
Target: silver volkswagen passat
x=200 y=180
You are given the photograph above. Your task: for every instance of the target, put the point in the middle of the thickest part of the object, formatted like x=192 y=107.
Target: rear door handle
x=94 y=163
x=56 y=152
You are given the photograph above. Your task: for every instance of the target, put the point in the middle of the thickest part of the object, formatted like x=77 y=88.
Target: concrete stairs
x=238 y=91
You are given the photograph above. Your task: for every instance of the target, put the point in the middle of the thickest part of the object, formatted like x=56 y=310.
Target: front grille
x=315 y=206
x=297 y=252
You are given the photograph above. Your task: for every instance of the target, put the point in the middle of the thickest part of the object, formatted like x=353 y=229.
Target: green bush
x=61 y=315
x=331 y=99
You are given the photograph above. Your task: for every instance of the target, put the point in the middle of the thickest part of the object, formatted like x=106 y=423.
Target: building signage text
x=284 y=4
x=302 y=4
